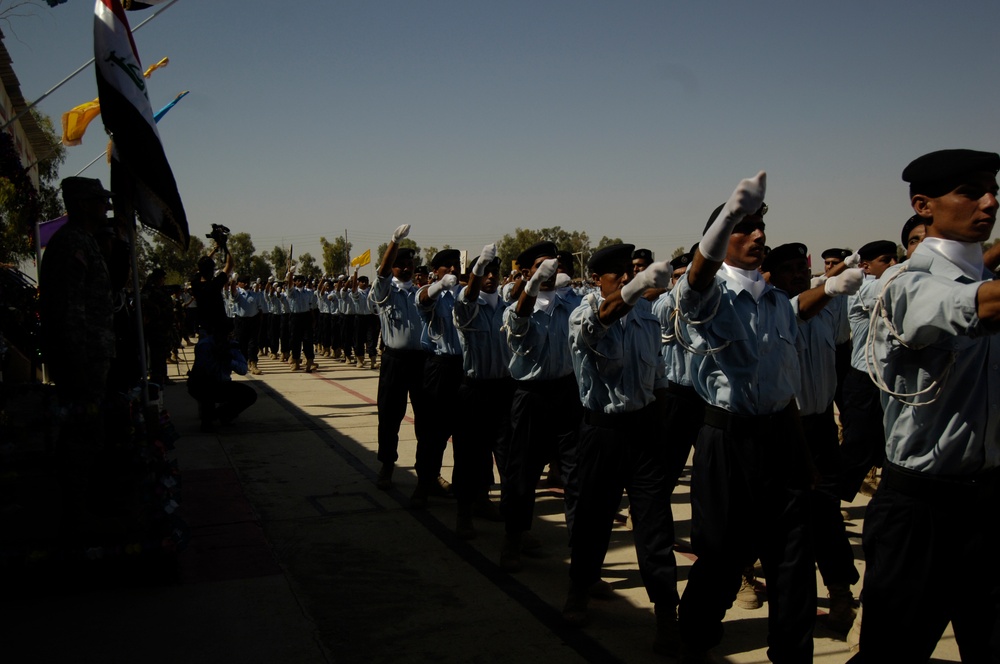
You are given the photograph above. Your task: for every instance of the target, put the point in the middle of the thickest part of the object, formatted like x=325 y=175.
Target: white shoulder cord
x=473 y=317
x=684 y=343
x=878 y=313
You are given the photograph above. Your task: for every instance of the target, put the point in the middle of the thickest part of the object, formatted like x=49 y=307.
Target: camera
x=219 y=233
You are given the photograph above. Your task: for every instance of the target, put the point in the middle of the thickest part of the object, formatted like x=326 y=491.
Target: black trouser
x=400 y=374
x=264 y=335
x=336 y=331
x=302 y=335
x=366 y=327
x=482 y=429
x=247 y=329
x=348 y=331
x=323 y=330
x=683 y=413
x=442 y=376
x=285 y=332
x=864 y=434
x=931 y=548
x=834 y=554
x=619 y=452
x=545 y=421
x=750 y=500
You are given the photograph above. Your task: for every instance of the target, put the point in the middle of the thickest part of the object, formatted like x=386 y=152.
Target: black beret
x=78 y=189
x=446 y=257
x=528 y=257
x=644 y=254
x=911 y=223
x=681 y=261
x=836 y=253
x=420 y=269
x=877 y=248
x=566 y=262
x=782 y=253
x=937 y=173
x=404 y=254
x=616 y=258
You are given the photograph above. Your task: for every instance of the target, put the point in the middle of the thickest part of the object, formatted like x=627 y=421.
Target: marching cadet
x=615 y=342
x=366 y=333
x=246 y=318
x=930 y=534
x=750 y=481
x=546 y=410
x=401 y=371
x=913 y=233
x=482 y=427
x=300 y=302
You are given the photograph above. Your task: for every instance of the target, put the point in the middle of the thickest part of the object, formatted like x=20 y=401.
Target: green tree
x=307 y=266
x=153 y=250
x=511 y=245
x=278 y=259
x=679 y=251
x=607 y=242
x=336 y=255
x=242 y=249
x=21 y=205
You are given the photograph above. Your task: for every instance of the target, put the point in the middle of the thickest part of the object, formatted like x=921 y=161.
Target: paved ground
x=295 y=556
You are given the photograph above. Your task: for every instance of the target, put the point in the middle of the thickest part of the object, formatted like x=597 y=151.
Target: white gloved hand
x=846 y=283
x=563 y=280
x=544 y=272
x=448 y=281
x=485 y=258
x=656 y=275
x=853 y=260
x=400 y=233
x=746 y=199
x=817 y=281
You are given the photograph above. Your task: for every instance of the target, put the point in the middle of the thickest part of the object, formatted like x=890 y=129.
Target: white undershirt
x=751 y=281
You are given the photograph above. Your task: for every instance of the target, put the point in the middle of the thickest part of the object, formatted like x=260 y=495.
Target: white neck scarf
x=967 y=256
x=491 y=298
x=751 y=281
x=545 y=301
x=402 y=285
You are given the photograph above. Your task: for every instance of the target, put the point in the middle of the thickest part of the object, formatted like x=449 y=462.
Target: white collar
x=966 y=256
x=491 y=298
x=545 y=301
x=402 y=285
x=751 y=281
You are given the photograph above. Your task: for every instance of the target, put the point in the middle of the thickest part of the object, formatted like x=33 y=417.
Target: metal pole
x=79 y=69
x=144 y=381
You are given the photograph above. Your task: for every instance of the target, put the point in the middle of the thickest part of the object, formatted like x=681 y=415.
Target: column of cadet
x=735 y=361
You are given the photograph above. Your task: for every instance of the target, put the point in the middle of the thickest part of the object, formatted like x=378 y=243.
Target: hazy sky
x=470 y=118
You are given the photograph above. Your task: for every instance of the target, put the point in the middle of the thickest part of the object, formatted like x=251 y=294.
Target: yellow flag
x=75 y=120
x=362 y=260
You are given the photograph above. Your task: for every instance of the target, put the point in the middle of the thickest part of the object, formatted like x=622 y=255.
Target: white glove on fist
x=656 y=275
x=485 y=258
x=746 y=199
x=563 y=280
x=448 y=282
x=846 y=283
x=544 y=272
x=400 y=233
x=853 y=260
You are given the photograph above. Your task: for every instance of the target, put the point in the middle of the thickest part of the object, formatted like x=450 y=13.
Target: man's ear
x=922 y=206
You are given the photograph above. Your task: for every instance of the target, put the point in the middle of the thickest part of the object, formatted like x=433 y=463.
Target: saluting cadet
x=442 y=373
x=863 y=447
x=788 y=270
x=931 y=535
x=750 y=481
x=367 y=324
x=246 y=318
x=300 y=302
x=401 y=372
x=546 y=410
x=482 y=426
x=838 y=307
x=615 y=342
x=349 y=316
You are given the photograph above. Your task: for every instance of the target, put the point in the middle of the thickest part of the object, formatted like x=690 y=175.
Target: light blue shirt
x=397 y=309
x=934 y=312
x=360 y=302
x=617 y=365
x=859 y=310
x=439 y=336
x=677 y=361
x=817 y=348
x=485 y=354
x=245 y=304
x=756 y=372
x=539 y=343
x=299 y=300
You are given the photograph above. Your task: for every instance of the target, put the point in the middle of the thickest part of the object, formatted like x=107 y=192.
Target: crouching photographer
x=206 y=285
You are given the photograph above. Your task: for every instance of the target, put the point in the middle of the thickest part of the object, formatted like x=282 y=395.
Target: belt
x=403 y=352
x=941 y=487
x=444 y=359
x=549 y=385
x=720 y=418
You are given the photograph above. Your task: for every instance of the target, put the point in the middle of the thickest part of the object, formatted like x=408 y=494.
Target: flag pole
x=78 y=70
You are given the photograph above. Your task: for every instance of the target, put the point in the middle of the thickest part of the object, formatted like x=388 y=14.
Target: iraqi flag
x=128 y=117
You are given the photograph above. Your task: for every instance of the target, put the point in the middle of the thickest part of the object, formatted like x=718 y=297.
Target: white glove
x=563 y=280
x=746 y=199
x=448 y=281
x=846 y=283
x=853 y=260
x=656 y=275
x=544 y=272
x=485 y=258
x=817 y=281
x=235 y=277
x=400 y=233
